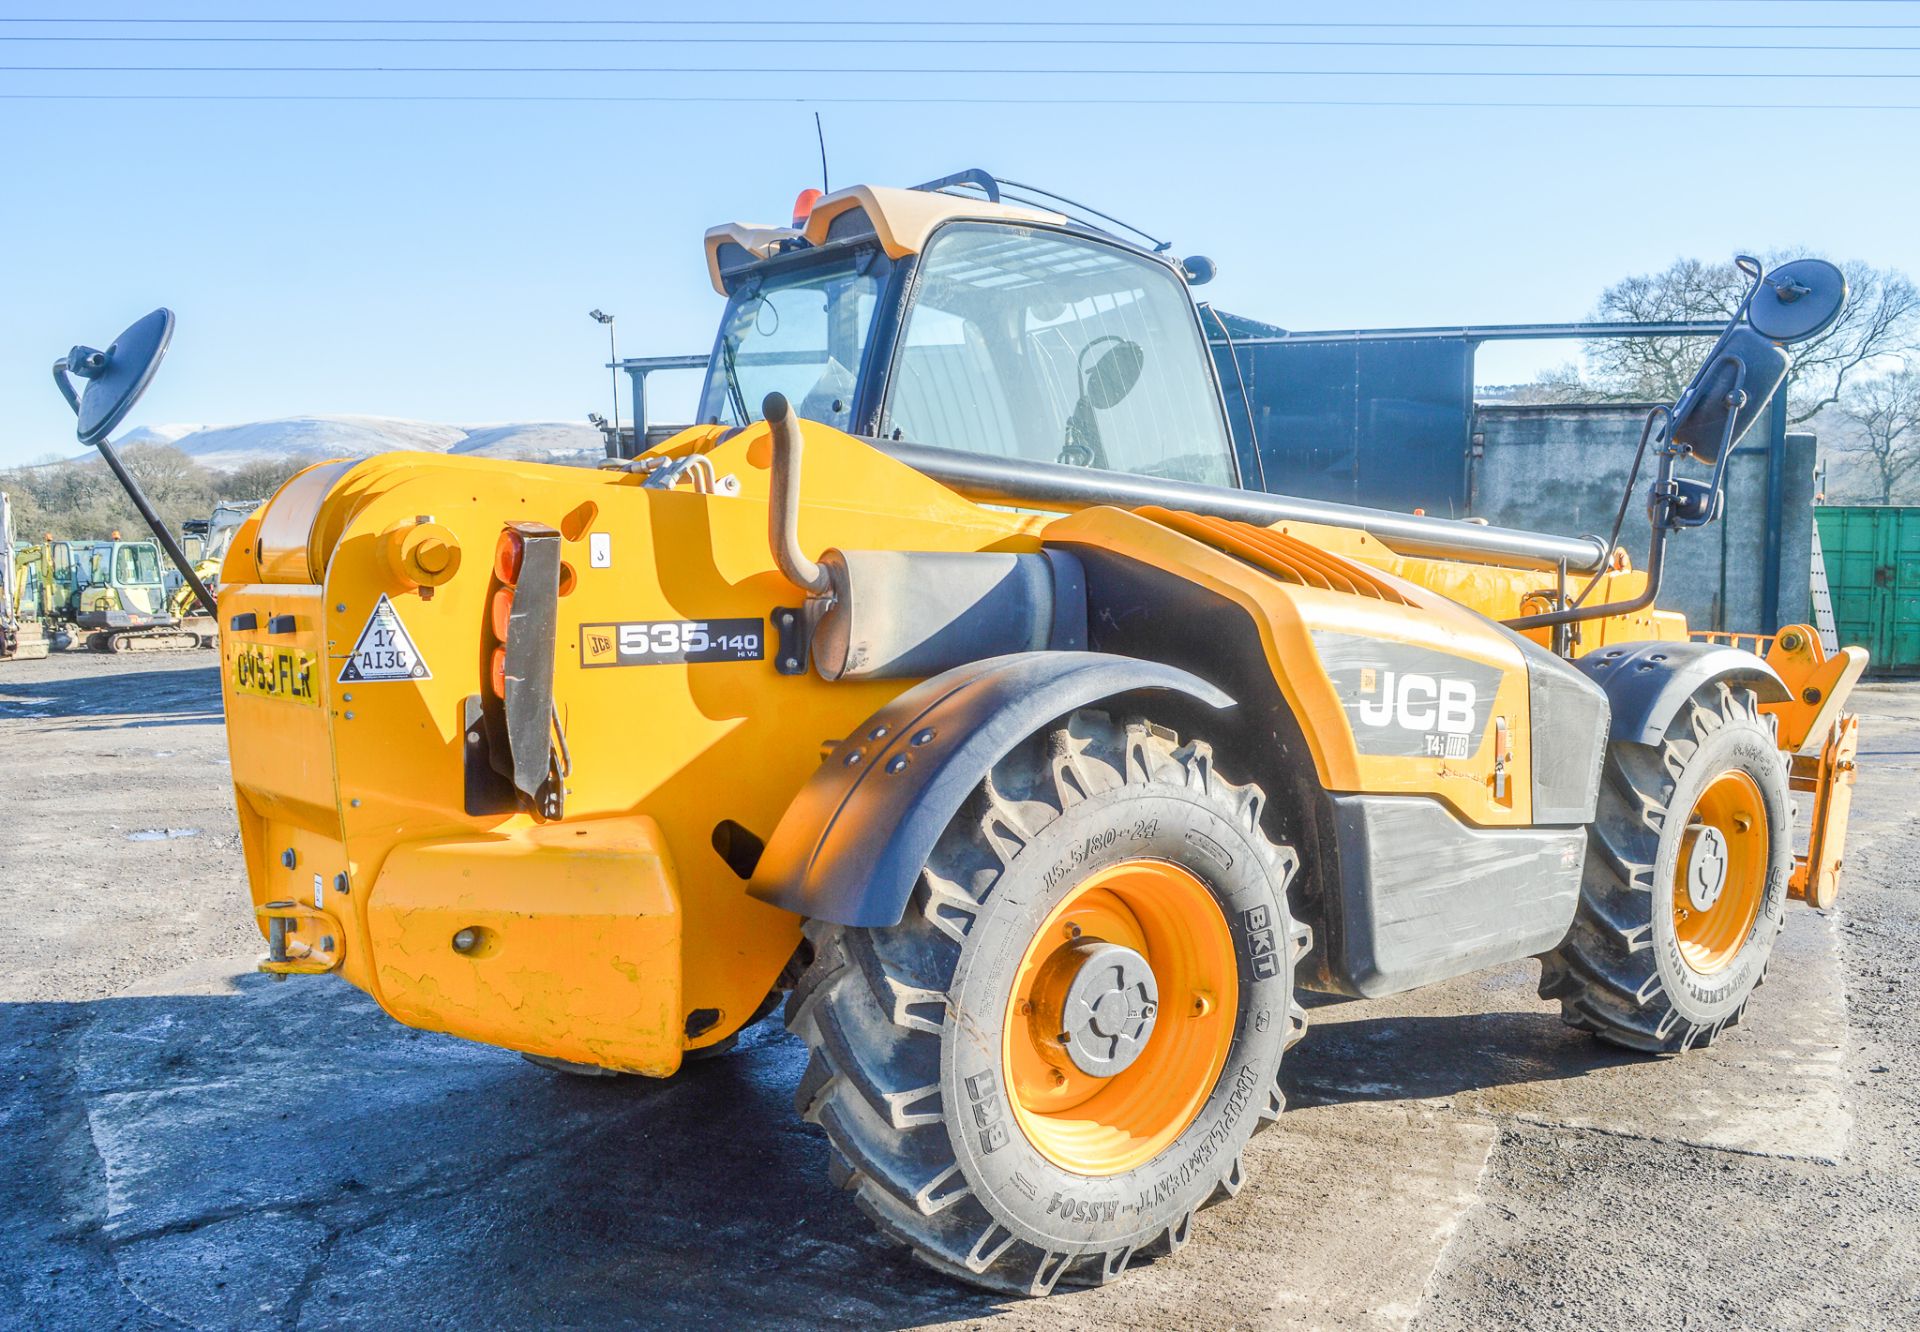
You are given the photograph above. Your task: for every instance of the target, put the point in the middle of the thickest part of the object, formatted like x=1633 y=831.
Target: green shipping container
x=1872 y=556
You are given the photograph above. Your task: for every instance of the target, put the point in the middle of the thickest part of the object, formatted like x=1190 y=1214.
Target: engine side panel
x=1413 y=695
x=1570 y=723
x=1423 y=897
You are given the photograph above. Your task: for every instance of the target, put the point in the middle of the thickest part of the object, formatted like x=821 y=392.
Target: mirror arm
x=64 y=382
x=1736 y=403
x=1660 y=494
x=167 y=543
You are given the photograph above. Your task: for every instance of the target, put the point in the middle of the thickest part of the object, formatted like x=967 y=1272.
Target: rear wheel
x=1057 y=1055
x=1686 y=880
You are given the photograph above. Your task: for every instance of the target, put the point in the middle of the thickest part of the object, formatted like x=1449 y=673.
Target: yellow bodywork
x=1820 y=740
x=366 y=779
x=619 y=935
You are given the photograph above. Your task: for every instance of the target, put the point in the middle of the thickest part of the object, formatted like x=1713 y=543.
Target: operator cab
x=946 y=316
x=117 y=575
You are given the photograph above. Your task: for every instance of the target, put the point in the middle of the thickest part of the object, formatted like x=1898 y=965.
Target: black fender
x=852 y=843
x=1647 y=682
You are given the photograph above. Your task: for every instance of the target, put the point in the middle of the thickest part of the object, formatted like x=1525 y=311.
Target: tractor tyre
x=1057 y=1055
x=1685 y=887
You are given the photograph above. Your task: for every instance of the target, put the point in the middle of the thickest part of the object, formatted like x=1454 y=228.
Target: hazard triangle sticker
x=384 y=651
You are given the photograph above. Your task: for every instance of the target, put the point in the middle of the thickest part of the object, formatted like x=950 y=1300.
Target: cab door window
x=1034 y=345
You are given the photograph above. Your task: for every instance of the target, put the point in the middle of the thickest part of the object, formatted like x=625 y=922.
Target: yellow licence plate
x=275 y=672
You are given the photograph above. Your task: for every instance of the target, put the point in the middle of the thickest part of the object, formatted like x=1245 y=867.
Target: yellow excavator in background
x=108 y=596
x=22 y=636
x=205 y=541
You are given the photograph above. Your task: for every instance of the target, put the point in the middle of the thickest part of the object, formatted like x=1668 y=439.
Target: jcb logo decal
x=1419 y=703
x=1407 y=700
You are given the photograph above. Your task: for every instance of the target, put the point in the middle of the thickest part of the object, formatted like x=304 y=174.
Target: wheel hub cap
x=1706 y=867
x=1107 y=1012
x=1720 y=872
x=1120 y=1017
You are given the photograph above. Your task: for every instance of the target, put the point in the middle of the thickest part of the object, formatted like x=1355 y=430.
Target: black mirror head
x=1696 y=503
x=1798 y=301
x=115 y=377
x=1742 y=376
x=1114 y=375
x=1198 y=270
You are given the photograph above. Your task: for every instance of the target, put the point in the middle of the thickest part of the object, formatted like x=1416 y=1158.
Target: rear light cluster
x=507 y=555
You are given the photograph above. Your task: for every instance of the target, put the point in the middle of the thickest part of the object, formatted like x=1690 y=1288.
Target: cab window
x=1039 y=346
x=136 y=564
x=800 y=329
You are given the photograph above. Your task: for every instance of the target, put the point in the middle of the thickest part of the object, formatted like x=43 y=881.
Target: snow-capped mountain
x=225 y=447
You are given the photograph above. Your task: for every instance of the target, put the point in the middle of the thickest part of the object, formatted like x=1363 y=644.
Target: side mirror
x=1114 y=375
x=115 y=377
x=1198 y=270
x=1737 y=382
x=1797 y=301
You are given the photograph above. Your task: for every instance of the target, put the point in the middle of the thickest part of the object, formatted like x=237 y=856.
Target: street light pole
x=613 y=369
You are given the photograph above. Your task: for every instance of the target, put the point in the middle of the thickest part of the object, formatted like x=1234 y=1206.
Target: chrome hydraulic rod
x=1056 y=486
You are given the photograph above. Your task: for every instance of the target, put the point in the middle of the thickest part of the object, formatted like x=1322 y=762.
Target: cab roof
x=900 y=219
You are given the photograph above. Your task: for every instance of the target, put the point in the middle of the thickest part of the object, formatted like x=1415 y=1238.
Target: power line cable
x=1795 y=48
x=1049 y=71
x=801 y=99
x=1219 y=25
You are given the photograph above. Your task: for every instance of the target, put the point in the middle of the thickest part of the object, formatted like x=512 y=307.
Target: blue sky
x=436 y=260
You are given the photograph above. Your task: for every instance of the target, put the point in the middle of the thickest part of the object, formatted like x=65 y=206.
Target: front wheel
x=1686 y=880
x=1055 y=1058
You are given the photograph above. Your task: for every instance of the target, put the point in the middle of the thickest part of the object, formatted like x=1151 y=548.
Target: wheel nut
x=1059 y=1078
x=465 y=940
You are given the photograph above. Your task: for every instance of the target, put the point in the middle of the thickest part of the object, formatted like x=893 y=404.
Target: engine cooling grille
x=1285 y=557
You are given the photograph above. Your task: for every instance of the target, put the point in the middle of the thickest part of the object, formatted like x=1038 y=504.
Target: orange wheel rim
x=1138 y=914
x=1720 y=879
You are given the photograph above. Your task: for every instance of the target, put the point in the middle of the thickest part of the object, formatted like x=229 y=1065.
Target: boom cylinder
x=1055 y=486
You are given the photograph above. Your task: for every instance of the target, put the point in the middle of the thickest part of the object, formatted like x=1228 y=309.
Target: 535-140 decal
x=661 y=642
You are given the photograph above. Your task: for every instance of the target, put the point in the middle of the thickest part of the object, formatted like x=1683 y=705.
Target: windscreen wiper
x=734 y=395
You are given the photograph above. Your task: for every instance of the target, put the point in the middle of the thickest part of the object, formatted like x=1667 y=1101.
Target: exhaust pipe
x=783 y=507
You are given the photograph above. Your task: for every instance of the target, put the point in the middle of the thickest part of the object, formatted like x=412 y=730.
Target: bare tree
x=259 y=478
x=165 y=472
x=1885 y=414
x=1882 y=319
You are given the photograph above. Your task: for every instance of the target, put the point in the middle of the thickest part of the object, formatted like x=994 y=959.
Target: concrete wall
x=1562 y=469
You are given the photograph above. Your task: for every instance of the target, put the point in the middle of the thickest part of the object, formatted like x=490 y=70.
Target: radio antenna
x=821 y=135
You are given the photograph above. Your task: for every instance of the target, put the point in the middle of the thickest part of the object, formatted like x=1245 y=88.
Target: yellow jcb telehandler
x=942 y=682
